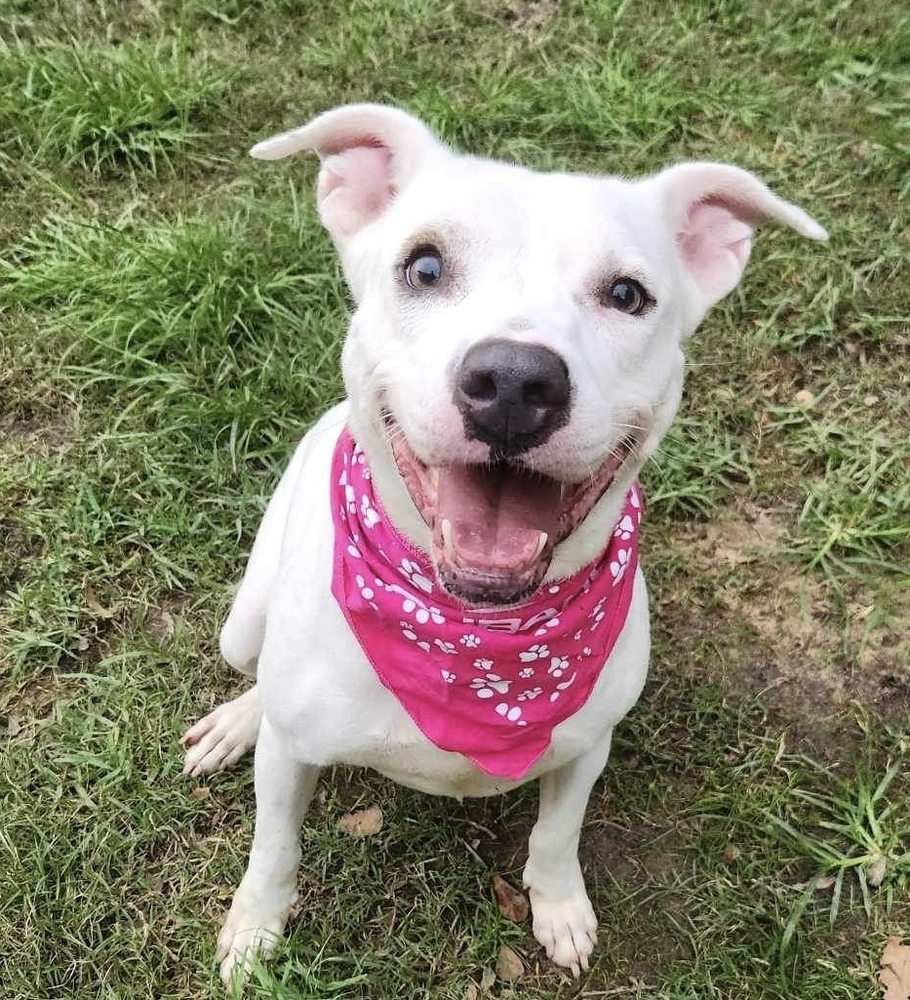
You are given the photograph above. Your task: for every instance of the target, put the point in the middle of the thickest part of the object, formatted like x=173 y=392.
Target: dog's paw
x=245 y=936
x=223 y=736
x=566 y=927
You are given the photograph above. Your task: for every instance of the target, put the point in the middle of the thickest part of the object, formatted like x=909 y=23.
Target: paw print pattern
x=564 y=686
x=512 y=714
x=488 y=685
x=547 y=625
x=536 y=652
x=598 y=614
x=448 y=676
x=619 y=565
x=558 y=666
x=470 y=641
x=530 y=694
x=414 y=575
x=624 y=528
x=366 y=592
x=368 y=514
x=408 y=632
x=526 y=672
x=422 y=614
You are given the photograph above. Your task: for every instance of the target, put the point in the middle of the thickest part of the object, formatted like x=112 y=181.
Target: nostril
x=536 y=394
x=480 y=386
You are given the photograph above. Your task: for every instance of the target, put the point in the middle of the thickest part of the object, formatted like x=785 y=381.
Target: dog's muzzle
x=495 y=523
x=512 y=396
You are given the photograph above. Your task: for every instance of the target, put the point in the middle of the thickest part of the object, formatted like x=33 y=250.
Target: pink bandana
x=489 y=684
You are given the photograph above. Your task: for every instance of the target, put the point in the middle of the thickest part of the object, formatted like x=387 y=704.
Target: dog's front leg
x=268 y=890
x=564 y=921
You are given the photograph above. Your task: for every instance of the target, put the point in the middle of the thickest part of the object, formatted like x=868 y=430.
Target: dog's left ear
x=369 y=152
x=714 y=209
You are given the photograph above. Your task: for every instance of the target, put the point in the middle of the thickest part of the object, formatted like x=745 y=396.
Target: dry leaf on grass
x=895 y=970
x=95 y=606
x=509 y=966
x=513 y=905
x=875 y=872
x=362 y=823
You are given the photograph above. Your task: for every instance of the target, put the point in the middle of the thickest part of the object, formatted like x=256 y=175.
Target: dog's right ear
x=369 y=152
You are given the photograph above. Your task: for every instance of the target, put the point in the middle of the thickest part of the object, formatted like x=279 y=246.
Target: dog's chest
x=325 y=701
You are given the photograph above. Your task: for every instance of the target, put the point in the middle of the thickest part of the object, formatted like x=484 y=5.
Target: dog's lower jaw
x=495 y=527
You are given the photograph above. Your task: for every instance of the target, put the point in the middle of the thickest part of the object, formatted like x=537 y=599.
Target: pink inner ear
x=715 y=244
x=355 y=186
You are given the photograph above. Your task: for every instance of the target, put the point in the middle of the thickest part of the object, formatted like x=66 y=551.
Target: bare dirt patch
x=45 y=433
x=805 y=647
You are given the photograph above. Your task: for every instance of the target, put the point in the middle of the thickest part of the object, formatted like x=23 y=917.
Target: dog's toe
x=239 y=946
x=223 y=736
x=567 y=929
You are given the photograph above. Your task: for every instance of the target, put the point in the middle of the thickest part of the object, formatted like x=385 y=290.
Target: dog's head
x=515 y=354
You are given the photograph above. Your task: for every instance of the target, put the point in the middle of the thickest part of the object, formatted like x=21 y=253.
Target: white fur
x=527 y=253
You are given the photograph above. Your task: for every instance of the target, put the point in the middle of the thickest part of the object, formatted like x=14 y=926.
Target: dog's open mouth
x=495 y=525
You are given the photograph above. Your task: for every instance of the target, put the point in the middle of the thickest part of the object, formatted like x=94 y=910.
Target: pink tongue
x=496 y=514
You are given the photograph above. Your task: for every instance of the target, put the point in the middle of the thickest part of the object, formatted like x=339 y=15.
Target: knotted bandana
x=489 y=684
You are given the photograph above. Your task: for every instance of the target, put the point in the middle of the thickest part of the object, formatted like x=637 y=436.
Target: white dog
x=445 y=584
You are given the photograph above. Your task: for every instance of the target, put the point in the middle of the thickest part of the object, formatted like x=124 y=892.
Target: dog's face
x=515 y=355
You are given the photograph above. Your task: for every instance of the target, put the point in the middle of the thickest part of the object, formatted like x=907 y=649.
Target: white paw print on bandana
x=513 y=714
x=446 y=647
x=368 y=513
x=470 y=641
x=530 y=694
x=619 y=565
x=448 y=676
x=552 y=623
x=526 y=672
x=490 y=684
x=411 y=636
x=366 y=592
x=423 y=615
x=625 y=528
x=562 y=687
x=415 y=576
x=483 y=664
x=413 y=605
x=537 y=652
x=597 y=613
x=558 y=666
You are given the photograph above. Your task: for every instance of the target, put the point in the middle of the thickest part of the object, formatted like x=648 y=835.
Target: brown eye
x=423 y=268
x=627 y=296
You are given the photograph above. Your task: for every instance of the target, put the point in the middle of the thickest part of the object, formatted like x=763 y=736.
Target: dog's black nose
x=512 y=396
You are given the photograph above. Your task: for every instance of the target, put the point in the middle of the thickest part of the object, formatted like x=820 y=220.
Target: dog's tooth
x=434 y=476
x=447 y=545
x=541 y=543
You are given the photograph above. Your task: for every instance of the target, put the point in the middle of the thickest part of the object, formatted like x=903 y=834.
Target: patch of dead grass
x=804 y=646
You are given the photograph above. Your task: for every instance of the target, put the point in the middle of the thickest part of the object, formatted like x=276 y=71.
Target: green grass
x=109 y=109
x=170 y=323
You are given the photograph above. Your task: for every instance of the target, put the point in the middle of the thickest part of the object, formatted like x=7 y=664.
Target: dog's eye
x=423 y=268
x=627 y=296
